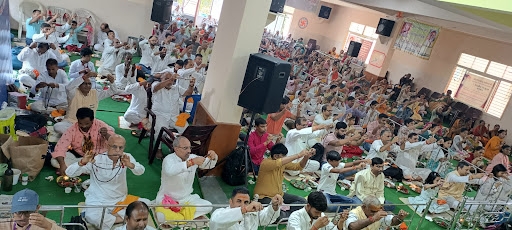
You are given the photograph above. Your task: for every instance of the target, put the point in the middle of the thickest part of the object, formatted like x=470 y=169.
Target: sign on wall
x=417 y=38
x=303 y=22
x=377 y=59
x=474 y=90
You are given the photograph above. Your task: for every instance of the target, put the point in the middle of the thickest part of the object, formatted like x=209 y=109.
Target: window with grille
x=366 y=36
x=482 y=84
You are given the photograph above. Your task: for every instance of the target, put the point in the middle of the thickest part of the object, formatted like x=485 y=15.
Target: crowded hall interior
x=255 y=114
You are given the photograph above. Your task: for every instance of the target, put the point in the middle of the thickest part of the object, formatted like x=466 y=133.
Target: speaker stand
x=247 y=156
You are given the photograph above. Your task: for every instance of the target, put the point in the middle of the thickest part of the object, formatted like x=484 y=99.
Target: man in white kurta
x=82 y=66
x=299 y=138
x=102 y=35
x=35 y=59
x=408 y=157
x=50 y=34
x=51 y=85
x=381 y=148
x=148 y=48
x=135 y=112
x=371 y=216
x=242 y=214
x=108 y=58
x=178 y=173
x=108 y=181
x=312 y=216
x=167 y=101
x=126 y=74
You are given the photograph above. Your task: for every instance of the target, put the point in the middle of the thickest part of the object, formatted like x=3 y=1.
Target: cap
x=25 y=200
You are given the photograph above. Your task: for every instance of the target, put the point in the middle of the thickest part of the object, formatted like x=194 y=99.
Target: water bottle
x=7 y=182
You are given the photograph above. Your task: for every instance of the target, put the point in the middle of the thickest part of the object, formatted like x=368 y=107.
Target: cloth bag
x=27 y=154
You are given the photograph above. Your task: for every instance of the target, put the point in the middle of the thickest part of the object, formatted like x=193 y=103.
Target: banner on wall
x=5 y=50
x=474 y=90
x=304 y=5
x=417 y=38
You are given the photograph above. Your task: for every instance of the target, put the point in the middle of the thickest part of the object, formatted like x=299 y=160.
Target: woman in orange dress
x=493 y=146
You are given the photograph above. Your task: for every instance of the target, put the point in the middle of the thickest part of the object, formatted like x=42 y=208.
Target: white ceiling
x=437 y=13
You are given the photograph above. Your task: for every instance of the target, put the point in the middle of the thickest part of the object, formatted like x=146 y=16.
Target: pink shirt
x=74 y=138
x=500 y=158
x=372 y=126
x=257 y=146
x=330 y=137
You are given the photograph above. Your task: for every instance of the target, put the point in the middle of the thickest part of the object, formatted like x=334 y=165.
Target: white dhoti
x=134 y=117
x=39 y=106
x=61 y=127
x=169 y=122
x=69 y=159
x=415 y=172
x=93 y=215
x=192 y=199
x=311 y=166
x=98 y=47
x=27 y=80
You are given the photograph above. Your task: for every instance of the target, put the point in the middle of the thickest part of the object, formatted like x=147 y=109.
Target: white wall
x=127 y=17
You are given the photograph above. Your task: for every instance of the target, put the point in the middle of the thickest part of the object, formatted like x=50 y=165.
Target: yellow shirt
x=453 y=186
x=492 y=148
x=270 y=177
x=366 y=184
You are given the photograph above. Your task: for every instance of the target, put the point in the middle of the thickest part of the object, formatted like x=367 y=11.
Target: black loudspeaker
x=353 y=49
x=277 y=6
x=385 y=27
x=161 y=11
x=264 y=83
x=312 y=44
x=325 y=12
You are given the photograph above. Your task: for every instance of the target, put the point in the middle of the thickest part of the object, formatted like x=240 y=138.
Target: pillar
x=239 y=34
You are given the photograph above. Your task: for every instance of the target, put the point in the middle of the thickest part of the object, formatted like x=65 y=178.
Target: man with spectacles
x=25 y=205
x=371 y=216
x=178 y=172
x=108 y=181
x=326 y=117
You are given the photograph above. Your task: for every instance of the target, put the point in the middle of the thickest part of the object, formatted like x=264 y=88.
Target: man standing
x=270 y=179
x=24 y=210
x=243 y=214
x=137 y=217
x=275 y=121
x=178 y=172
x=87 y=134
x=370 y=182
x=312 y=216
x=259 y=142
x=108 y=181
x=371 y=216
x=168 y=93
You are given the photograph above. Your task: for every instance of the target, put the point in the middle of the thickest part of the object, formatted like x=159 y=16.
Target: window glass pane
x=369 y=31
x=457 y=77
x=356 y=28
x=480 y=64
x=496 y=69
x=500 y=99
x=466 y=60
x=508 y=73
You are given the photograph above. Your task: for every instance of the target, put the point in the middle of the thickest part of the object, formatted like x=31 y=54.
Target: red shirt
x=257 y=146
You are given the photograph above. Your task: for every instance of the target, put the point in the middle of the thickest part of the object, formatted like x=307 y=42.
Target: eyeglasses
x=184 y=148
x=116 y=147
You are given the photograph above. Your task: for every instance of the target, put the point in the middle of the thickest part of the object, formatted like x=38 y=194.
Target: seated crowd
x=332 y=113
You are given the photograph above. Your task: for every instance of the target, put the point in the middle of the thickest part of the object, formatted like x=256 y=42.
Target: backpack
x=234 y=168
x=78 y=221
x=33 y=124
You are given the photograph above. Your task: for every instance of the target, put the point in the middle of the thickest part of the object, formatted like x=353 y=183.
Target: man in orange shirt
x=275 y=121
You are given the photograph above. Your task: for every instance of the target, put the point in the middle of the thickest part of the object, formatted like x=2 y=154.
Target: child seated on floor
x=430 y=189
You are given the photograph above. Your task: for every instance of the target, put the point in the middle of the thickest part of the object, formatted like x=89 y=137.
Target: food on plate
x=298 y=184
x=65 y=181
x=415 y=188
x=402 y=189
x=389 y=183
x=441 y=202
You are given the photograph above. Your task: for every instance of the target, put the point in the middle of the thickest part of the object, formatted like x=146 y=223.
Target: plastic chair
x=63 y=12
x=7 y=121
x=25 y=11
x=196 y=99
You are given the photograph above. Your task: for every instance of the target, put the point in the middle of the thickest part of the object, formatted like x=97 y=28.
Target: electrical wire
x=248 y=85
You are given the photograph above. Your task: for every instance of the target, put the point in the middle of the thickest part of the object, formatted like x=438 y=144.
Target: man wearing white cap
x=25 y=205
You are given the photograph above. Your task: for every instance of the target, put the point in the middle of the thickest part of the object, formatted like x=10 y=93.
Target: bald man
x=108 y=181
x=137 y=216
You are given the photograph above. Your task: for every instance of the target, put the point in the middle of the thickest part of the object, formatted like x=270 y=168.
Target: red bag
x=351 y=151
